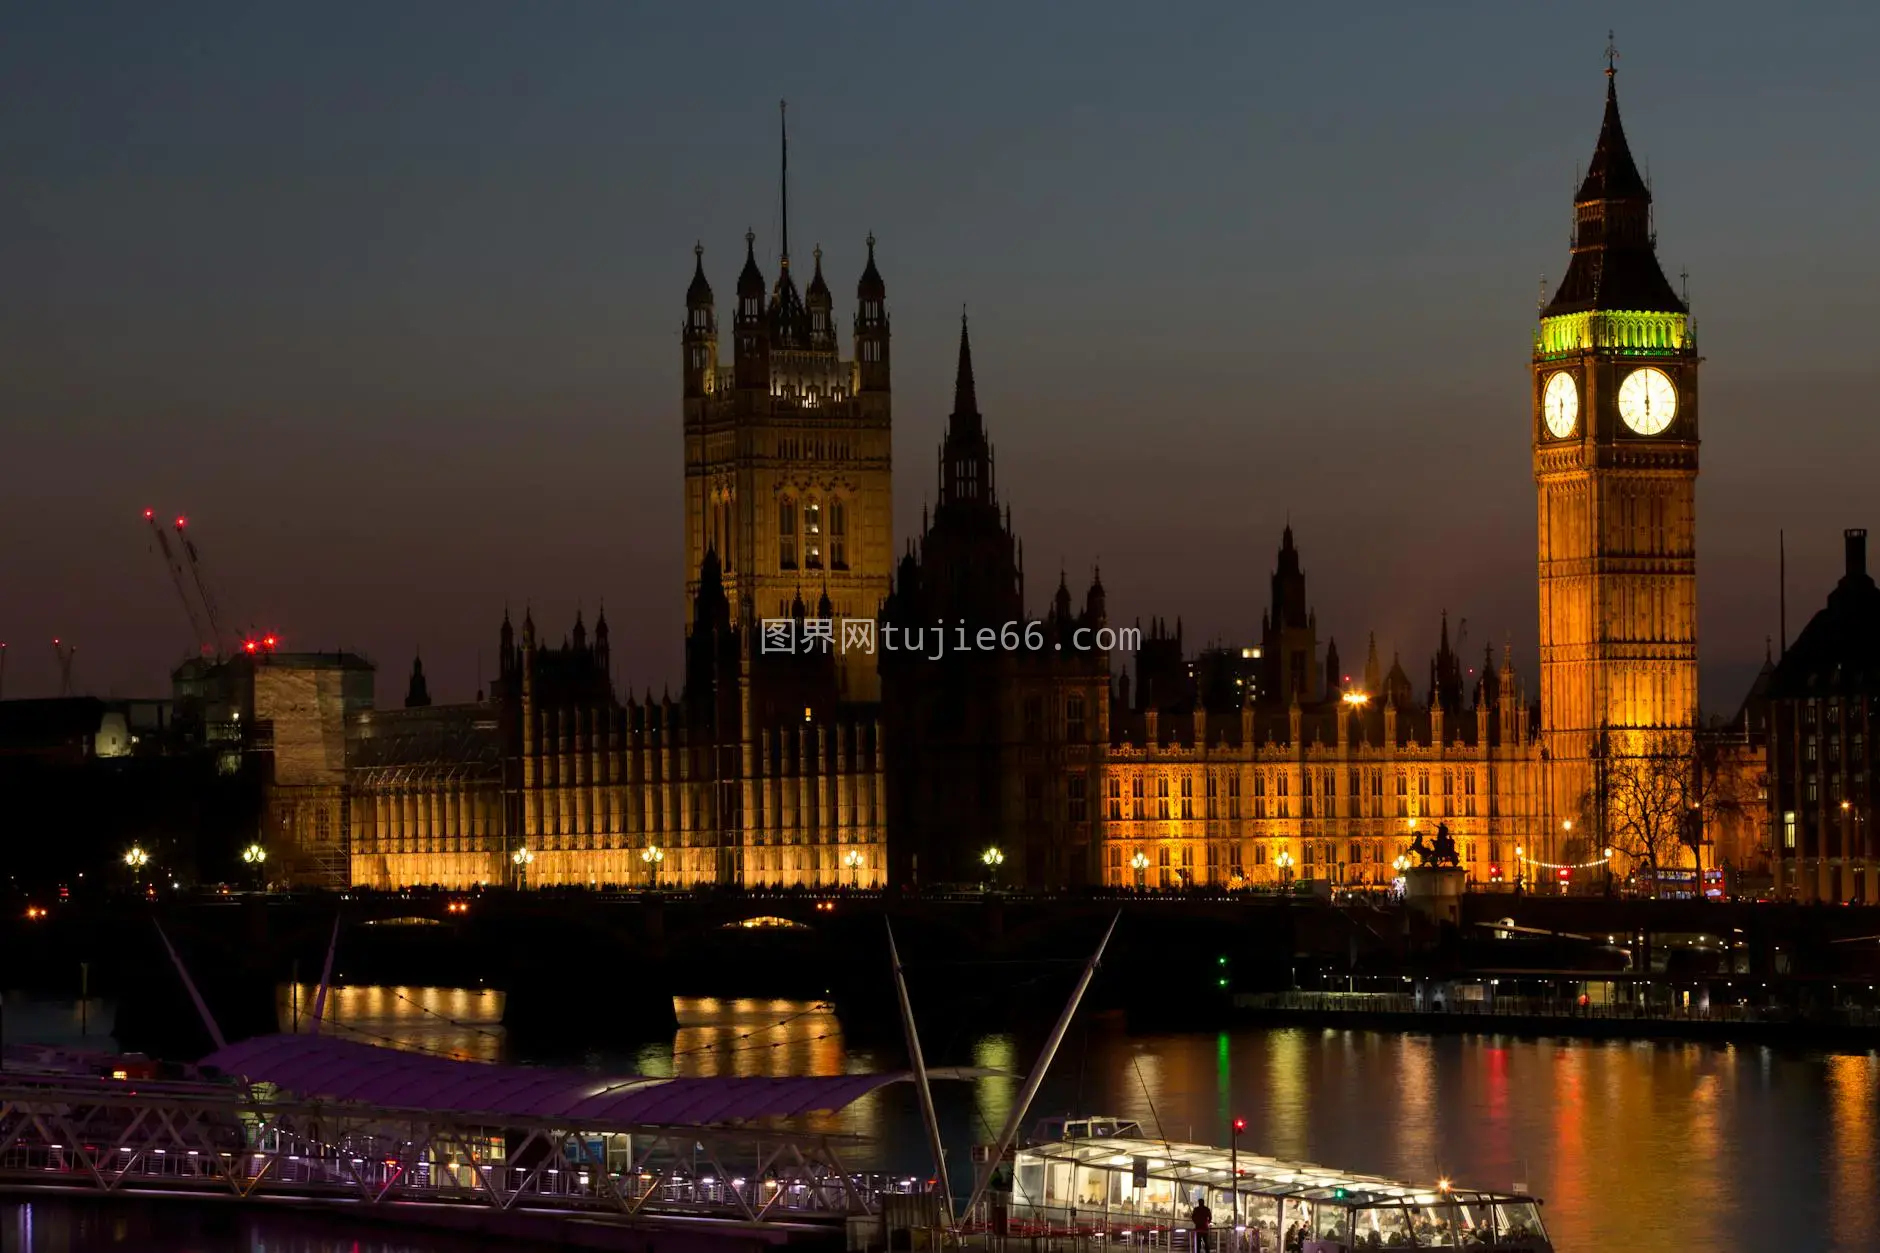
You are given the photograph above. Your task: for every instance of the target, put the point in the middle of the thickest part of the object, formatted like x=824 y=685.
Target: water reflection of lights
x=453 y=1022
x=1852 y=1082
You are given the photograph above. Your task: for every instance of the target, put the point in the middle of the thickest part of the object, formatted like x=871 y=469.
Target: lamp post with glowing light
x=652 y=855
x=136 y=859
x=254 y=857
x=1284 y=860
x=993 y=859
x=853 y=860
x=522 y=857
x=1140 y=864
x=1520 y=867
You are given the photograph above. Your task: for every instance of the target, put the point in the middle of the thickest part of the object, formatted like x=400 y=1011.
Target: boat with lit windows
x=1104 y=1177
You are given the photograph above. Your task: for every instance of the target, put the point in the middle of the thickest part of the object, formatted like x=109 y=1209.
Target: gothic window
x=786 y=533
x=1259 y=853
x=838 y=534
x=1356 y=852
x=1161 y=797
x=1074 y=798
x=1468 y=794
x=1135 y=798
x=1788 y=829
x=1233 y=795
x=1188 y=797
x=1161 y=865
x=1808 y=749
x=1116 y=800
x=812 y=535
x=1403 y=795
x=1034 y=798
x=1074 y=718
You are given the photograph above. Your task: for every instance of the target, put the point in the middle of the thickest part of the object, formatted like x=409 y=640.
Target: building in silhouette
x=1823 y=698
x=996 y=719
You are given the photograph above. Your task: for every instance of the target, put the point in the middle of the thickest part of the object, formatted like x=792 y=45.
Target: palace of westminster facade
x=827 y=767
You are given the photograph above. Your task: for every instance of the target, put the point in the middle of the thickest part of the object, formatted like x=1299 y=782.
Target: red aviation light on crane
x=248 y=646
x=269 y=643
x=149 y=514
x=181 y=522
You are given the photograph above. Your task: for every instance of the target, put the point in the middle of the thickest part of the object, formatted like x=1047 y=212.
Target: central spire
x=966 y=456
x=965 y=396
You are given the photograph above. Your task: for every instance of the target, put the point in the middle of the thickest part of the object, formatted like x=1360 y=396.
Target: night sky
x=386 y=297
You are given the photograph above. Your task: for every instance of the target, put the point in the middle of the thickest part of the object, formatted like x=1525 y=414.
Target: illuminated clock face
x=1560 y=405
x=1648 y=400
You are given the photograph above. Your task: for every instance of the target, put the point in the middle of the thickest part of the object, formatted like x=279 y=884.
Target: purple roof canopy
x=347 y=1070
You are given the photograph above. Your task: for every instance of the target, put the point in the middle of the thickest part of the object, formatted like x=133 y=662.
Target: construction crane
x=202 y=584
x=181 y=580
x=65 y=654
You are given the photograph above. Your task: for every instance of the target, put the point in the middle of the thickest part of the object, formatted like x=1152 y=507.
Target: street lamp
x=652 y=855
x=137 y=858
x=522 y=857
x=254 y=856
x=1140 y=862
x=993 y=858
x=1285 y=863
x=853 y=860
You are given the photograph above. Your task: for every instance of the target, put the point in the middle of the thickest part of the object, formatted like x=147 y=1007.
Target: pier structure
x=426 y=1140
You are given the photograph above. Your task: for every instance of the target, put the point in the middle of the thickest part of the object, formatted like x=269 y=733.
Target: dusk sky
x=386 y=297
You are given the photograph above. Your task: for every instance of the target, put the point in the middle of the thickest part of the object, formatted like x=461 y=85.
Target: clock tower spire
x=1615 y=438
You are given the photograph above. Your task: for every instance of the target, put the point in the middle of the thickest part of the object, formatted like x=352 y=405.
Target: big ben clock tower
x=1615 y=464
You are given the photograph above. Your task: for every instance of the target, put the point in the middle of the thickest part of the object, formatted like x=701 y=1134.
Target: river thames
x=1639 y=1147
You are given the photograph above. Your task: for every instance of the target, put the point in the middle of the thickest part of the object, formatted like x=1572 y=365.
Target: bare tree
x=1647 y=796
x=1662 y=795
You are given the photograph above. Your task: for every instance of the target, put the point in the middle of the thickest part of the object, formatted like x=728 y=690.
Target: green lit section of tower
x=1626 y=333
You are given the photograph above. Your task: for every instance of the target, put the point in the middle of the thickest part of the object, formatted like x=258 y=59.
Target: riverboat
x=1103 y=1177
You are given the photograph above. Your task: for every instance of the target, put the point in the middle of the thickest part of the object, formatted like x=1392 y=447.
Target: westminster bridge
x=1178 y=959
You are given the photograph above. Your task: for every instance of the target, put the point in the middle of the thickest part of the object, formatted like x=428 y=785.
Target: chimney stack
x=1856 y=538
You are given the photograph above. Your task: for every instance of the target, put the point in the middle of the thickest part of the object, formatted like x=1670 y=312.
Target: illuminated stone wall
x=1221 y=808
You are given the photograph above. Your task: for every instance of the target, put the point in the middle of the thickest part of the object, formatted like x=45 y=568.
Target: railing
x=1544 y=1007
x=113 y=1135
